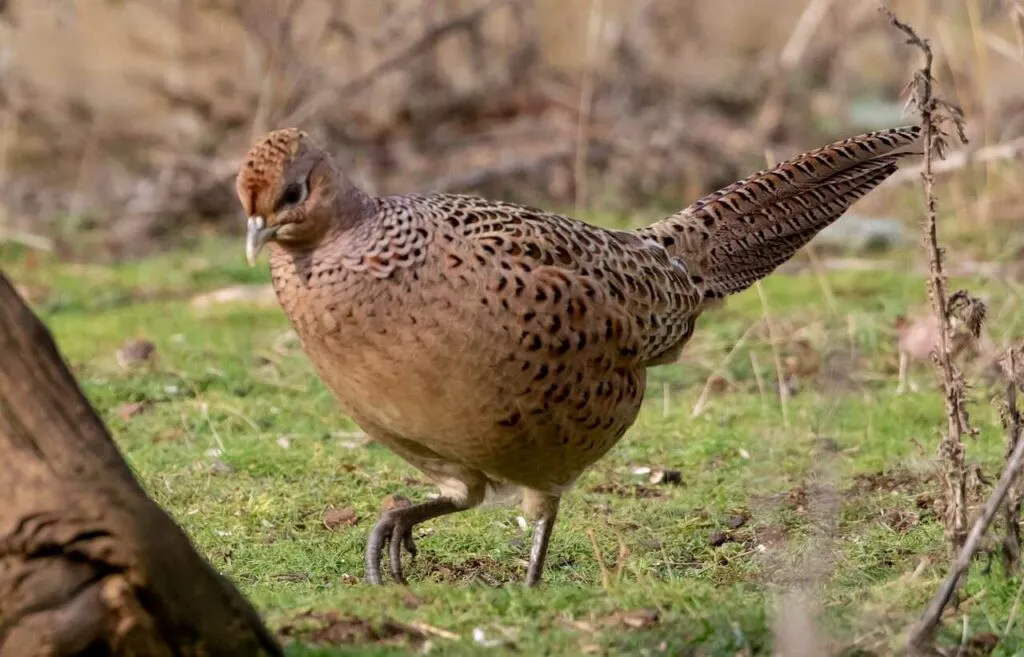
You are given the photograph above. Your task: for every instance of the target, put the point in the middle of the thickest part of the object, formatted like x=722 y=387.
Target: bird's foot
x=392 y=531
x=395 y=529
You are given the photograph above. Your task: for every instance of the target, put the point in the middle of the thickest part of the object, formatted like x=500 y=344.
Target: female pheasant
x=495 y=346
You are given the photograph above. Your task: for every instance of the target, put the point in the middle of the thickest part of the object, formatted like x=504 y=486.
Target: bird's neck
x=350 y=205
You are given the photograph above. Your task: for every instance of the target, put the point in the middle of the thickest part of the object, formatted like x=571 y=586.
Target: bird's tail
x=733 y=237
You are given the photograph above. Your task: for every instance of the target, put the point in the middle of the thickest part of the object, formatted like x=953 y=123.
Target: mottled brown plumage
x=495 y=346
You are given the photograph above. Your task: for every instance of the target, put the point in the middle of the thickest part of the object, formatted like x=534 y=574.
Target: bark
x=89 y=564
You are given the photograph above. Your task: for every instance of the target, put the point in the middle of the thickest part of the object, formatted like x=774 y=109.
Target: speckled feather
x=492 y=344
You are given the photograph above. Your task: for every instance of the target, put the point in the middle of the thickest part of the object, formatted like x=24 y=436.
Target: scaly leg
x=547 y=514
x=395 y=527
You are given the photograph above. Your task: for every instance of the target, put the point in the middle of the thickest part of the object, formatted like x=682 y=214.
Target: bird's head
x=291 y=192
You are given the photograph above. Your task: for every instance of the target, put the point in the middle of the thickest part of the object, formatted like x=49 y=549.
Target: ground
x=720 y=534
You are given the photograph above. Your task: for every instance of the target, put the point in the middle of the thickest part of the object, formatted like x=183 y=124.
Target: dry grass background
x=125 y=119
x=122 y=122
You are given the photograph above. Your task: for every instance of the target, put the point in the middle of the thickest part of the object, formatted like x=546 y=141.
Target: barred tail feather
x=739 y=234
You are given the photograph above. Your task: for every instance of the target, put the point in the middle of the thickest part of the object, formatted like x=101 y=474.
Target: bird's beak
x=256 y=237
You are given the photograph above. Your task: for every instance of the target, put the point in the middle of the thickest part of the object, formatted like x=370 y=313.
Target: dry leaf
x=129 y=410
x=335 y=519
x=636 y=619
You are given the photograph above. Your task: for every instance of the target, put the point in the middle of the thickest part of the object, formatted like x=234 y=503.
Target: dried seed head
x=968 y=309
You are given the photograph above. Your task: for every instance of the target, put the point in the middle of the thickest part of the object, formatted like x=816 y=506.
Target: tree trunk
x=89 y=565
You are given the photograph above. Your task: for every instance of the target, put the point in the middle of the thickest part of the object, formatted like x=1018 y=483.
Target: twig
x=698 y=408
x=418 y=47
x=808 y=23
x=806 y=26
x=424 y=628
x=1017 y=18
x=620 y=564
x=960 y=160
x=922 y=633
x=964 y=635
x=586 y=102
x=29 y=240
x=1003 y=47
x=205 y=409
x=599 y=557
x=1014 y=608
x=1011 y=419
x=756 y=366
x=780 y=375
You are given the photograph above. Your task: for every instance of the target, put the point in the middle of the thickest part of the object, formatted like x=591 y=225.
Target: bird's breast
x=389 y=358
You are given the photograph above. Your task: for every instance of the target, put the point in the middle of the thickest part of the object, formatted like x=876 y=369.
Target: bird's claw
x=392 y=531
x=400 y=537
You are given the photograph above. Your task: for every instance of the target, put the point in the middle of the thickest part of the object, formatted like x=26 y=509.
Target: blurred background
x=122 y=122
x=793 y=460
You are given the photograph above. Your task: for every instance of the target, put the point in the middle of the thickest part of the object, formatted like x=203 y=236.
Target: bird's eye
x=294 y=193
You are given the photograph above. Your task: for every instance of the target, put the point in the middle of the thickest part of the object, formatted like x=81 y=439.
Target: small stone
x=735 y=521
x=718 y=538
x=136 y=352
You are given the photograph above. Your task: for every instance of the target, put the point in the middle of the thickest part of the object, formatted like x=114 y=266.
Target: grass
x=245 y=447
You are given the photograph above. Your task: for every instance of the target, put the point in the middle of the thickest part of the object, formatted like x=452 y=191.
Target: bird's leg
x=395 y=528
x=546 y=511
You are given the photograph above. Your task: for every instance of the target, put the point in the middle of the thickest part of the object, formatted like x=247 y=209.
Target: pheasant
x=499 y=348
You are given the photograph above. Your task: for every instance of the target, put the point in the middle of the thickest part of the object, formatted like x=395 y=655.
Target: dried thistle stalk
x=936 y=117
x=1012 y=366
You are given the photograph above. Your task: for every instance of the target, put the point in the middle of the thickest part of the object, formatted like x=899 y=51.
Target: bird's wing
x=599 y=290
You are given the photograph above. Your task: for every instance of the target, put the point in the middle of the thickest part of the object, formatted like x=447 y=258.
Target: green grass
x=247 y=450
